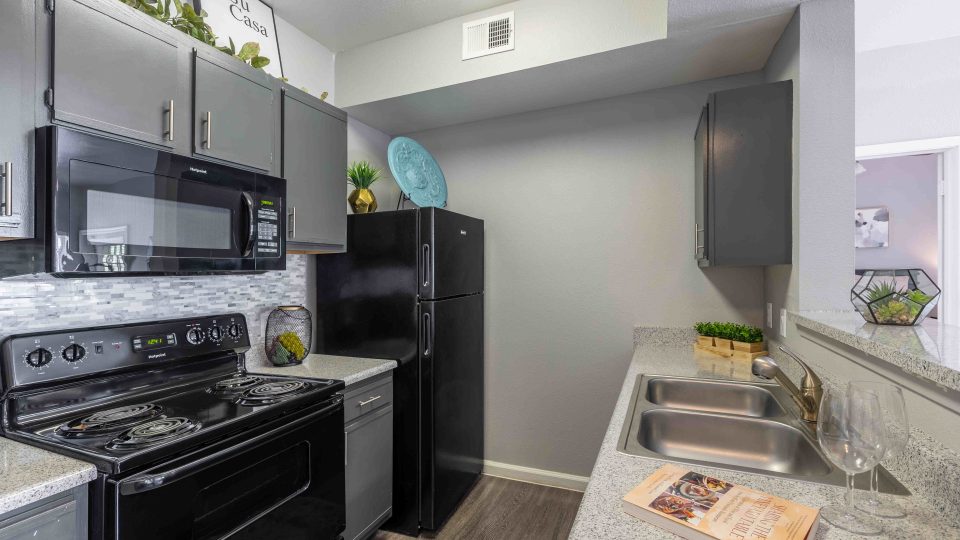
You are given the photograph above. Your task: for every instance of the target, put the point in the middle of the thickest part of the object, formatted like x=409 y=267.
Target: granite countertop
x=342 y=368
x=930 y=351
x=669 y=352
x=28 y=474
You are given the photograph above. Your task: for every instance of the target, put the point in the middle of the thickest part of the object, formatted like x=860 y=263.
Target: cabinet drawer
x=367 y=398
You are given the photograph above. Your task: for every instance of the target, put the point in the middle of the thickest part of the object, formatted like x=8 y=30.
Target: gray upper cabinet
x=235 y=111
x=17 y=95
x=314 y=165
x=743 y=152
x=118 y=71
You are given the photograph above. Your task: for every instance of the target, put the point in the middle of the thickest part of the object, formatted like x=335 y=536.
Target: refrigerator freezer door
x=451 y=367
x=367 y=297
x=450 y=254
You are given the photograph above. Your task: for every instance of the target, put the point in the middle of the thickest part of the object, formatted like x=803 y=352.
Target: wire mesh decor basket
x=288 y=336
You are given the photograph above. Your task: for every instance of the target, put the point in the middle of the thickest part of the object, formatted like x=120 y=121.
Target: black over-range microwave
x=106 y=207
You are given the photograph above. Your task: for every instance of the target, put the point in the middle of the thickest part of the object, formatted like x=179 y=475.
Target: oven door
x=286 y=481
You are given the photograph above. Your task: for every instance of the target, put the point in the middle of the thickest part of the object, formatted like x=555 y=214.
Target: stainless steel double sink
x=751 y=427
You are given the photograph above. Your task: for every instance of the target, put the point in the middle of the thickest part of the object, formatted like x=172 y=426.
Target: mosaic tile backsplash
x=34 y=304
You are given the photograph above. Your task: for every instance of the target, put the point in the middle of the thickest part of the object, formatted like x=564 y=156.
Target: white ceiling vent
x=488 y=36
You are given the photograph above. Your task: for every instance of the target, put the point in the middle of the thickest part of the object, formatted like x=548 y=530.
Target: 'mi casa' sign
x=243 y=21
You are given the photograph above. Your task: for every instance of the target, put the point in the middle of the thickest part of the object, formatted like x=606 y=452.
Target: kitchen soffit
x=340 y=25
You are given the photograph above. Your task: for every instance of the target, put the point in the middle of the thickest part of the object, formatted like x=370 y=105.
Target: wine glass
x=896 y=433
x=850 y=431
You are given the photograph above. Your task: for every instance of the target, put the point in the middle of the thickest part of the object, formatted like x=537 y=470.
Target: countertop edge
x=918 y=366
x=51 y=486
x=348 y=369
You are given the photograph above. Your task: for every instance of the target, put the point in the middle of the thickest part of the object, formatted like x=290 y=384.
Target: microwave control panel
x=268 y=227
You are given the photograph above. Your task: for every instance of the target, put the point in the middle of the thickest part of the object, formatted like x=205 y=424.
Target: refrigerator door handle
x=426 y=265
x=427 y=335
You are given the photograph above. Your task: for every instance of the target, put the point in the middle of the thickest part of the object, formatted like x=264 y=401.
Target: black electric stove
x=176 y=427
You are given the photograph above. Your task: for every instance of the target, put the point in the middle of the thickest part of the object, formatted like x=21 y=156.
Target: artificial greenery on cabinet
x=185 y=19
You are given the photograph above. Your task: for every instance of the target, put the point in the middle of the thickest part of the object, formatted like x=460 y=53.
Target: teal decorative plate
x=417 y=173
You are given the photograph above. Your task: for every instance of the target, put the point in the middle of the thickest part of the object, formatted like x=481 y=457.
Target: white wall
x=908 y=92
x=588 y=212
x=306 y=63
x=888 y=23
x=907 y=186
x=365 y=143
x=547 y=31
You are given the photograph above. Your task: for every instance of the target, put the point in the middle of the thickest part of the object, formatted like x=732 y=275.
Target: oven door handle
x=247 y=201
x=142 y=483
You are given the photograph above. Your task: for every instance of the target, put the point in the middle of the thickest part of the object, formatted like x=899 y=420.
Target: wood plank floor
x=503 y=509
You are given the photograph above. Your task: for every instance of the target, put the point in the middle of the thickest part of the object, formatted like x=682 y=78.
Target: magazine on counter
x=697 y=507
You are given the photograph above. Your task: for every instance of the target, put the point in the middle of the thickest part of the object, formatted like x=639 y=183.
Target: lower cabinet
x=59 y=517
x=368 y=456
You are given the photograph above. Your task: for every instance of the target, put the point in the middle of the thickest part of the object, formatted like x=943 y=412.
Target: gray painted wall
x=907 y=186
x=589 y=218
x=781 y=286
x=547 y=31
x=817 y=52
x=908 y=92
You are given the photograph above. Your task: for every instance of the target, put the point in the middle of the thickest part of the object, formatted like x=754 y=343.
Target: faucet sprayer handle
x=810 y=379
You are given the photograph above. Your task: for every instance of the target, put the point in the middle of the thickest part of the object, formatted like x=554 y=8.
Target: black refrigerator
x=410 y=288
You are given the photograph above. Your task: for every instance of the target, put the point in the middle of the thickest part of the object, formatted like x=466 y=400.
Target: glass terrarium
x=902 y=297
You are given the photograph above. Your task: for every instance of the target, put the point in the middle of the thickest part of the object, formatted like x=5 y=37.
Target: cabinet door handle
x=292 y=223
x=7 y=188
x=169 y=133
x=345 y=440
x=207 y=129
x=369 y=401
x=697 y=246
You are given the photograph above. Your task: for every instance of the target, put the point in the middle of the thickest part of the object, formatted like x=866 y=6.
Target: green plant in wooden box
x=728 y=335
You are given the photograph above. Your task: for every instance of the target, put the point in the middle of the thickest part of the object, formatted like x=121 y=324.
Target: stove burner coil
x=153 y=432
x=110 y=420
x=236 y=384
x=271 y=392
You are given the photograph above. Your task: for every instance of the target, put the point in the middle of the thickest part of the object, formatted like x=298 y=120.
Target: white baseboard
x=535 y=476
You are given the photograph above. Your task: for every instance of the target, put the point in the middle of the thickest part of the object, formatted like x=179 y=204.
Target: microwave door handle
x=142 y=483
x=247 y=201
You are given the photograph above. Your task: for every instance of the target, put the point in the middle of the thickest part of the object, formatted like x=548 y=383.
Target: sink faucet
x=809 y=394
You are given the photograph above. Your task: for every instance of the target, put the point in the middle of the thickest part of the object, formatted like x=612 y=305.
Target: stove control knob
x=235 y=331
x=74 y=353
x=195 y=336
x=39 y=357
x=215 y=333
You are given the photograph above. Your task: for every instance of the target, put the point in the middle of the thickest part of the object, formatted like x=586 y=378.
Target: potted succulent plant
x=898 y=297
x=729 y=339
x=361 y=175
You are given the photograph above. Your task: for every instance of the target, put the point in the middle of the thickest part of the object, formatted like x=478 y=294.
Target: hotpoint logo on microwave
x=154 y=356
x=196 y=170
